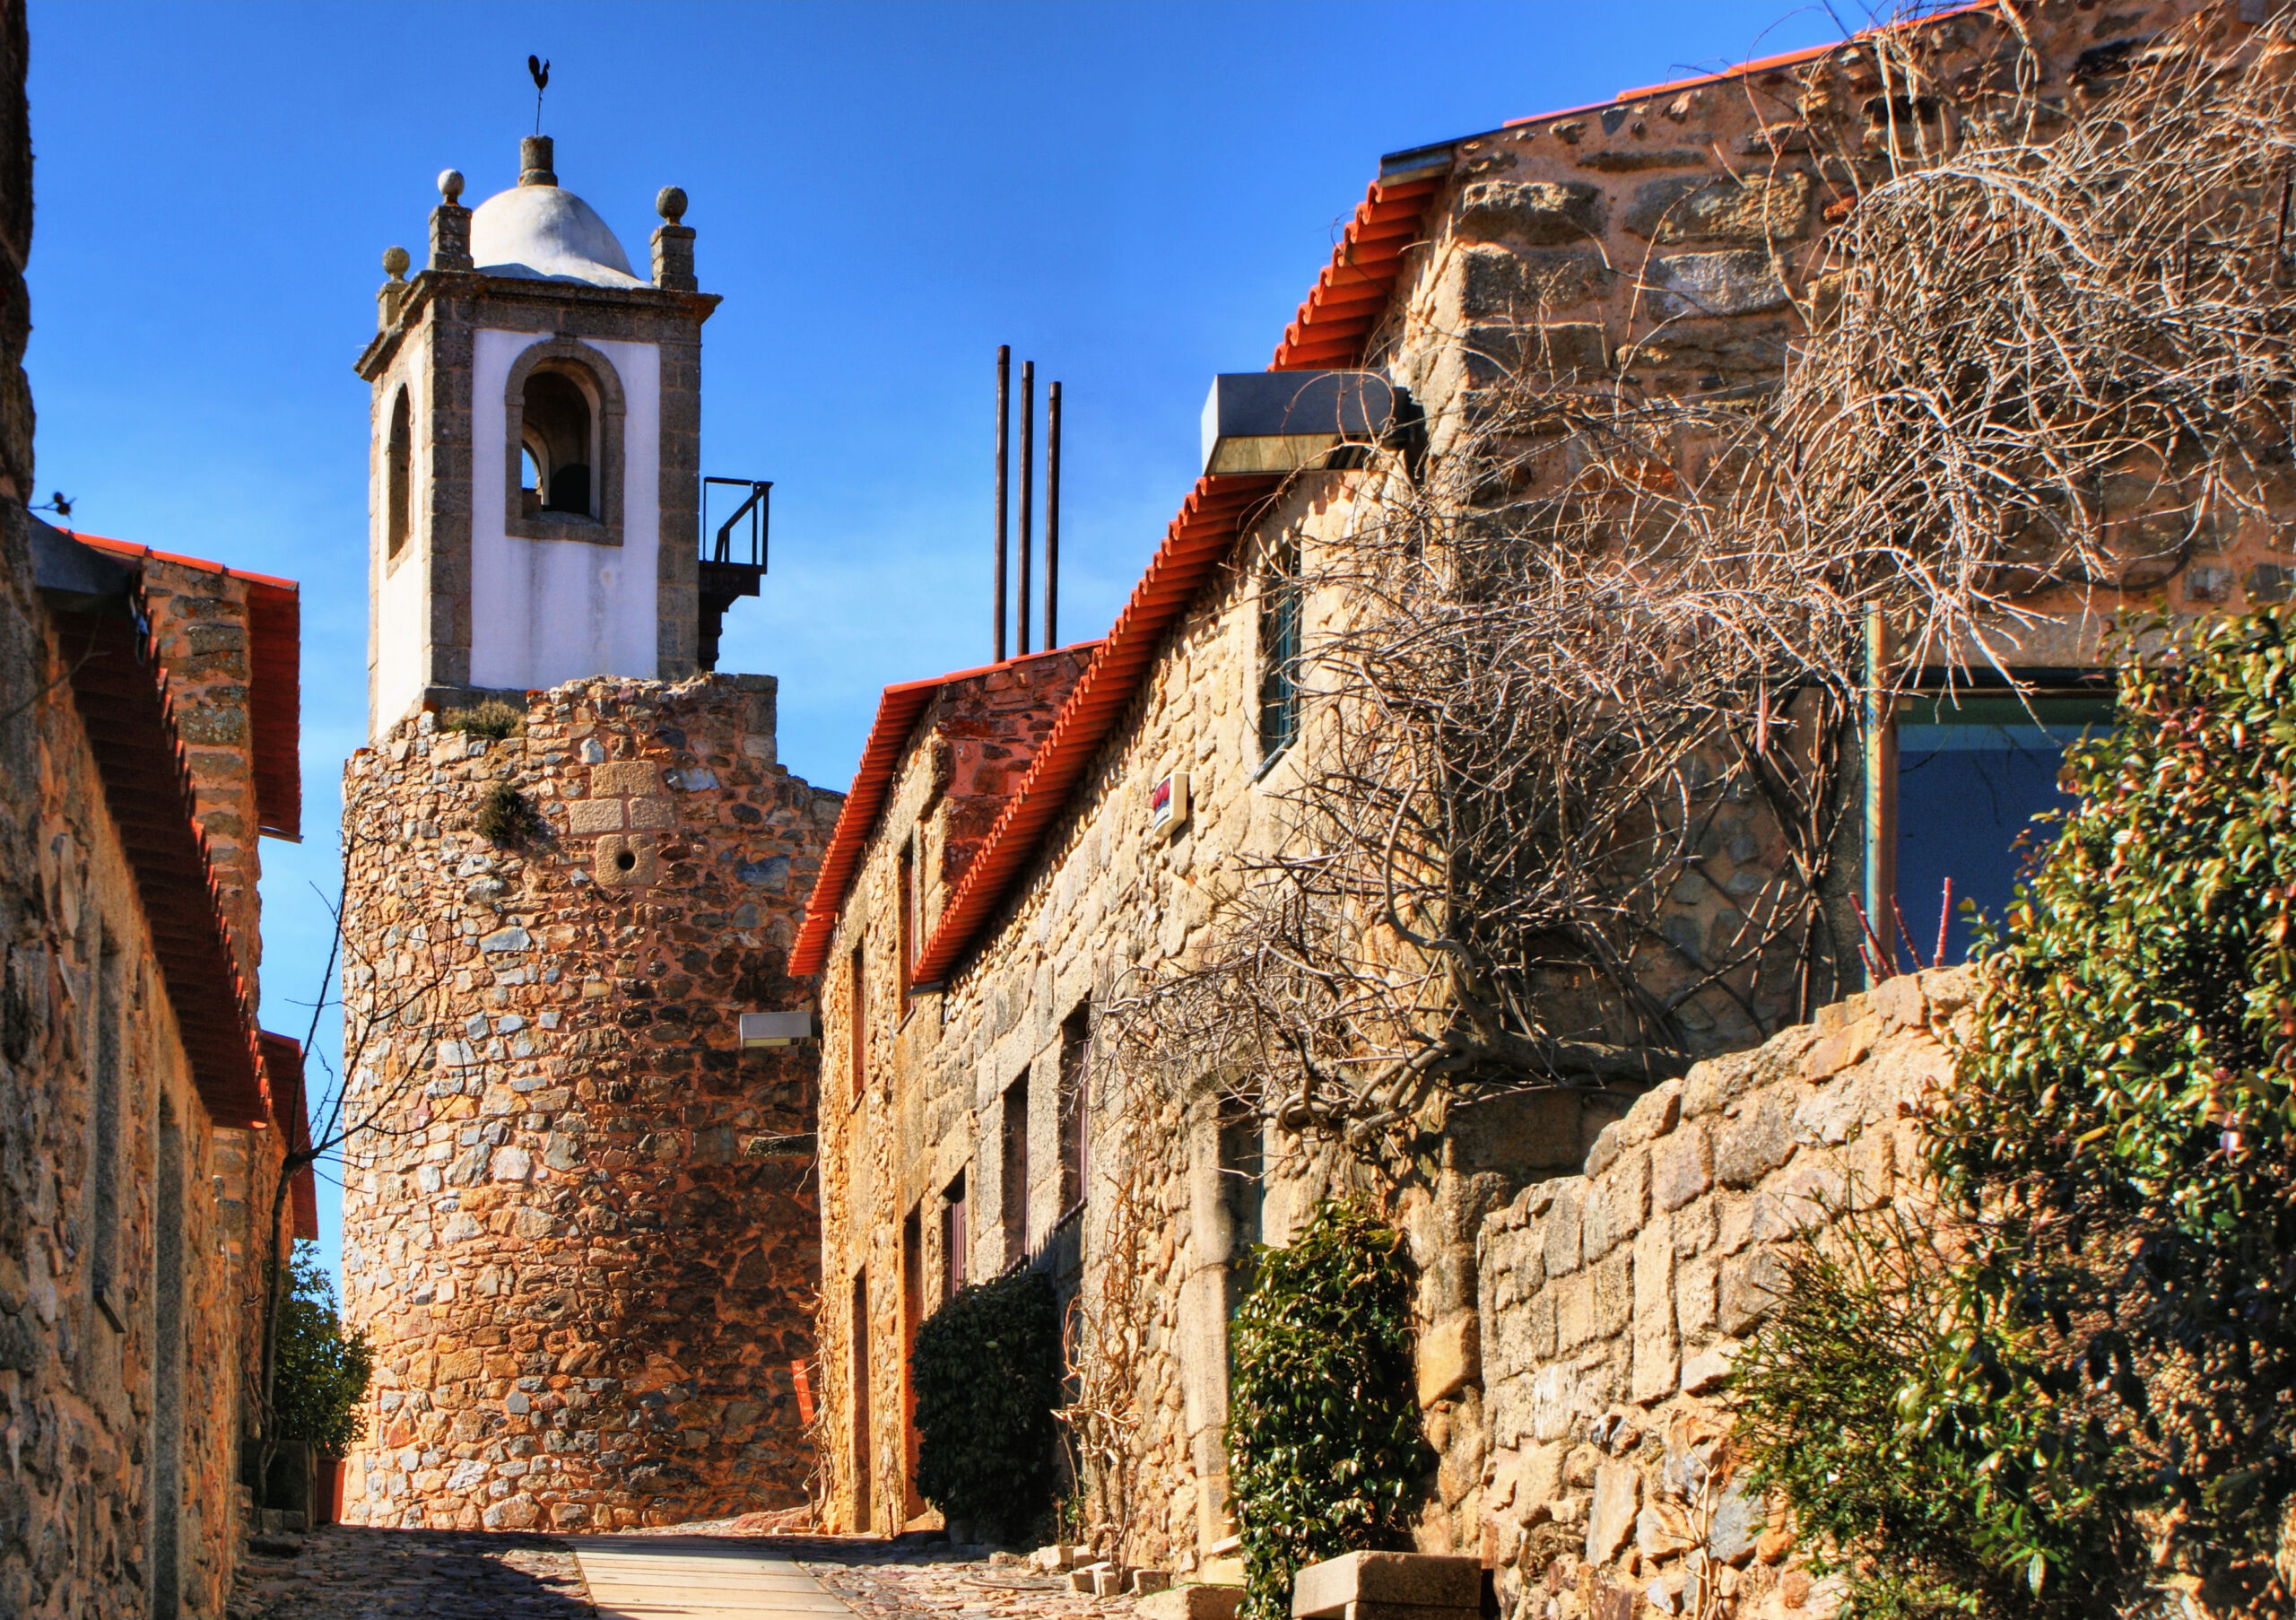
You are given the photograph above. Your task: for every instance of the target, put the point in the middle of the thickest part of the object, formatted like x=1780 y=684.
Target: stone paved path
x=895 y=1583
x=700 y=1577
x=343 y=1573
x=346 y=1574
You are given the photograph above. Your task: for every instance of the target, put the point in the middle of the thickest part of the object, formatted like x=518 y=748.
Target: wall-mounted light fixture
x=1281 y=422
x=778 y=1028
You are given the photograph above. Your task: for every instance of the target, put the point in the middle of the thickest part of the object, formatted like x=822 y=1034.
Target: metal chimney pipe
x=1028 y=488
x=1052 y=517
x=1004 y=460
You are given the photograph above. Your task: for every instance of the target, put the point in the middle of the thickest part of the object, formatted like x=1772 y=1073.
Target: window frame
x=856 y=1022
x=1278 y=649
x=398 y=476
x=595 y=374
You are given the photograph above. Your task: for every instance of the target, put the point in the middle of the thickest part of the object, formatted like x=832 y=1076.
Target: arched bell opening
x=559 y=441
x=398 y=484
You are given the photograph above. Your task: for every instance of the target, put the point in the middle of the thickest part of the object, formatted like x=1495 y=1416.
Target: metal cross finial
x=540 y=69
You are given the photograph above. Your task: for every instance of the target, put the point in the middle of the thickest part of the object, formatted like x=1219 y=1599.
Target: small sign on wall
x=1168 y=803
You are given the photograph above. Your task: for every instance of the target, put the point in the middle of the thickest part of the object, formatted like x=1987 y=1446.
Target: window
x=555 y=434
x=862 y=1484
x=565 y=420
x=1075 y=1079
x=908 y=919
x=1243 y=1197
x=956 y=1237
x=1279 y=649
x=1972 y=772
x=857 y=1033
x=912 y=1313
x=103 y=1247
x=1016 y=1169
x=398 y=485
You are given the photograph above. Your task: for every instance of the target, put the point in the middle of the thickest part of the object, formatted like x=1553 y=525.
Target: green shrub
x=2094 y=1386
x=507 y=821
x=1325 y=1454
x=492 y=717
x=320 y=1376
x=1900 y=1412
x=987 y=1370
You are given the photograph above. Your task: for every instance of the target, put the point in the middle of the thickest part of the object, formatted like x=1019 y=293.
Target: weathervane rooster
x=540 y=69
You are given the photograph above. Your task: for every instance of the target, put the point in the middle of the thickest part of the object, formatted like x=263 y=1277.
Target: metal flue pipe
x=1004 y=460
x=1052 y=517
x=1027 y=489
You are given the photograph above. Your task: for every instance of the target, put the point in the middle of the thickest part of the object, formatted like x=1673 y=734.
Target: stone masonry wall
x=86 y=1411
x=1110 y=895
x=1106 y=895
x=201 y=618
x=1614 y=1300
x=967 y=754
x=582 y=1233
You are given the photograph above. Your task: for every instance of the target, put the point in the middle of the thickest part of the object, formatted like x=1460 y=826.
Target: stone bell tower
x=579 y=1222
x=535 y=458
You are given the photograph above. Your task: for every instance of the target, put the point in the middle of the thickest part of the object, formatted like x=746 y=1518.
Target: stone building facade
x=147 y=735
x=147 y=725
x=1666 y=237
x=578 y=1217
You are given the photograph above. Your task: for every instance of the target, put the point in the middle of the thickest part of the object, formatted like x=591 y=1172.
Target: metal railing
x=755 y=509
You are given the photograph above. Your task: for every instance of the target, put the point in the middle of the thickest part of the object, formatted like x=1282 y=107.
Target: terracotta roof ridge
x=1808 y=53
x=898 y=708
x=1194 y=543
x=1328 y=331
x=129 y=548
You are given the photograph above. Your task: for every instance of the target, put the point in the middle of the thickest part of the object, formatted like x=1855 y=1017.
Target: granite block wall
x=583 y=1228
x=125 y=1337
x=1614 y=1300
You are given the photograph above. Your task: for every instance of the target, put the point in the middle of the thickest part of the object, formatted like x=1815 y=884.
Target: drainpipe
x=1880 y=733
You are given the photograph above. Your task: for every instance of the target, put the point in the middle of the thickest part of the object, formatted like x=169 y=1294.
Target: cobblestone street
x=882 y=1583
x=342 y=1572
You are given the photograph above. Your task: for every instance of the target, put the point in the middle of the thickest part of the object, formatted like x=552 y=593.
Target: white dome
x=546 y=234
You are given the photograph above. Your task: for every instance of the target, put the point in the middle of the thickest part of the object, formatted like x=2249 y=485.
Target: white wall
x=547 y=611
x=402 y=590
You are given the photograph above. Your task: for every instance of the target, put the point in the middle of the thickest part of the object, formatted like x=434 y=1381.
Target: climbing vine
x=987 y=1370
x=1325 y=1450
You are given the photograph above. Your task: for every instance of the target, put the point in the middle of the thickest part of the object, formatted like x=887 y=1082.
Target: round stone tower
x=579 y=1216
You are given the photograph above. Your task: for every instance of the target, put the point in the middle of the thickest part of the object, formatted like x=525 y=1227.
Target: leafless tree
x=365 y=1100
x=1584 y=681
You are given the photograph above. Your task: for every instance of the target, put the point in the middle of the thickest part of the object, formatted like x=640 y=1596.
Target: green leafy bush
x=507 y=820
x=1325 y=1451
x=492 y=717
x=2091 y=1388
x=987 y=1370
x=1900 y=1412
x=320 y=1376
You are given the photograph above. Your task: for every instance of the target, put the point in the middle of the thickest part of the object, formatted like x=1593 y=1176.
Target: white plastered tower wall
x=472 y=590
x=399 y=633
x=544 y=611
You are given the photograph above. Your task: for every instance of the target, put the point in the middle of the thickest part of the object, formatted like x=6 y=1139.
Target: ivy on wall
x=987 y=1367
x=1325 y=1451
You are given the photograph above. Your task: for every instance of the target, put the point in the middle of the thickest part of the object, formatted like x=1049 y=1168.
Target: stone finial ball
x=670 y=204
x=396 y=261
x=451 y=183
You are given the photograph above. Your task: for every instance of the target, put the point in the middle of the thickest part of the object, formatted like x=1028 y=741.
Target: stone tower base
x=582 y=1229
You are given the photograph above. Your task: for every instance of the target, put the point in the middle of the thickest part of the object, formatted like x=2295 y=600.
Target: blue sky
x=1135 y=197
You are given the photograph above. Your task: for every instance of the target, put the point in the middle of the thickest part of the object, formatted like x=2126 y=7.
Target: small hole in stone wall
x=625 y=860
